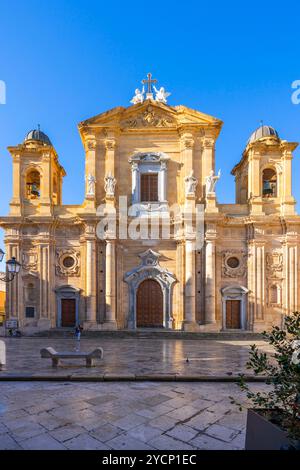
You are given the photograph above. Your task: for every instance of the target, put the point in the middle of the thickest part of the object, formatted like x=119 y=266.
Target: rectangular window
x=149 y=187
x=29 y=312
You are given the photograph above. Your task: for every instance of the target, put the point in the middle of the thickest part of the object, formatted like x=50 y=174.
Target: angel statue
x=190 y=184
x=161 y=94
x=139 y=96
x=110 y=184
x=91 y=180
x=211 y=181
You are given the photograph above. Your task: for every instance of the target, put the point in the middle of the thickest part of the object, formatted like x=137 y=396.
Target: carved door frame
x=150 y=269
x=235 y=292
x=67 y=292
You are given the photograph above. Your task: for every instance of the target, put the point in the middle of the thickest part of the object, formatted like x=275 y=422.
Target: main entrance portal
x=150 y=309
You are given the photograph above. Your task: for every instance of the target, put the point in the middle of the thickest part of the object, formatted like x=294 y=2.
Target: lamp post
x=12 y=268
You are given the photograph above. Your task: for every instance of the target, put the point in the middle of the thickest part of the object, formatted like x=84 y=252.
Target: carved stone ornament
x=110 y=144
x=90 y=144
x=234 y=263
x=149 y=118
x=274 y=263
x=30 y=260
x=67 y=263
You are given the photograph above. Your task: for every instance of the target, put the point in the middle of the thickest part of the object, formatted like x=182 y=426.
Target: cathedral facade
x=243 y=274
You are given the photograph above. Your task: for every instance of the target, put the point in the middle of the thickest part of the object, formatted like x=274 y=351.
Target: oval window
x=68 y=262
x=233 y=262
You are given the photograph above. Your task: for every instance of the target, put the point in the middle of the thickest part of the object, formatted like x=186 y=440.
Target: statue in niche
x=190 y=184
x=211 y=181
x=109 y=184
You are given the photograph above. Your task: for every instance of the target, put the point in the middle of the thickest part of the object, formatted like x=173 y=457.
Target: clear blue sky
x=65 y=61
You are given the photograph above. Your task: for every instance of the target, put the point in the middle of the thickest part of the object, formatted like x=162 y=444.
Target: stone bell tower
x=264 y=174
x=37 y=176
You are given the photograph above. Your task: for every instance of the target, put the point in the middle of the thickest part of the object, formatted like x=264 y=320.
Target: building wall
x=263 y=235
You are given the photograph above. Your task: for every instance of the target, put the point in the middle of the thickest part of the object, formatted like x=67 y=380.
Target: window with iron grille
x=149 y=187
x=29 y=312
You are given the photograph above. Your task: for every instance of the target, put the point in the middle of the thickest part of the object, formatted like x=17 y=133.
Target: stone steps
x=149 y=334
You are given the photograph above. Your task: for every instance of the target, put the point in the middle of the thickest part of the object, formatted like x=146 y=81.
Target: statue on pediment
x=139 y=96
x=161 y=95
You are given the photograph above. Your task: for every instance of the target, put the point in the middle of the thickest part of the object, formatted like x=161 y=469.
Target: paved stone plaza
x=121 y=415
x=148 y=358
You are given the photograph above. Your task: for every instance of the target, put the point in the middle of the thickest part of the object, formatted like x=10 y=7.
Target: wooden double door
x=149 y=305
x=233 y=314
x=68 y=312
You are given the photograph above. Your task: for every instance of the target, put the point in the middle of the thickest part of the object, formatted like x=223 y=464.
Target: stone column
x=44 y=321
x=288 y=206
x=17 y=186
x=90 y=169
x=190 y=286
x=46 y=185
x=255 y=181
x=162 y=196
x=208 y=156
x=91 y=276
x=260 y=281
x=180 y=271
x=135 y=183
x=110 y=285
x=258 y=286
x=291 y=277
x=210 y=281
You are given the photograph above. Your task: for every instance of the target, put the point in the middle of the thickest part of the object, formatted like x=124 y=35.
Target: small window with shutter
x=149 y=187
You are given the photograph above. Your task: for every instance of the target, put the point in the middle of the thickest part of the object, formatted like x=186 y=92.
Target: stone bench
x=56 y=356
x=2 y=354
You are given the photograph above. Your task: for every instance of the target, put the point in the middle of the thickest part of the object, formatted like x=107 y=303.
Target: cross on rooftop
x=149 y=82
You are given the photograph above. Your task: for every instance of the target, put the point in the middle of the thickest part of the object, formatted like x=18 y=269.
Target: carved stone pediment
x=149 y=117
x=149 y=268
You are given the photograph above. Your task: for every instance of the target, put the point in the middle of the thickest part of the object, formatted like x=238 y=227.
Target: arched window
x=269 y=183
x=33 y=184
x=30 y=292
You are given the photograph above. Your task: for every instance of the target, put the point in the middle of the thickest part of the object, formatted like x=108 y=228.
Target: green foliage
x=282 y=374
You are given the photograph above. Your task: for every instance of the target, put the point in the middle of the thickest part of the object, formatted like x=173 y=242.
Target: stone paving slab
x=133 y=359
x=141 y=415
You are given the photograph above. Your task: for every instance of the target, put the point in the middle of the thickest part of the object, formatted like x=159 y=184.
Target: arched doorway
x=234 y=300
x=149 y=305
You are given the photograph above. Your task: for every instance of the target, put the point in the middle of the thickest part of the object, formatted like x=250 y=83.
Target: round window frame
x=68 y=256
x=233 y=258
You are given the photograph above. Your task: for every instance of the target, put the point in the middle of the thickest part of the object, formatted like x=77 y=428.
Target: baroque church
x=243 y=276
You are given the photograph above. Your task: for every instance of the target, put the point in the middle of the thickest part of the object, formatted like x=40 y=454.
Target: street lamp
x=12 y=268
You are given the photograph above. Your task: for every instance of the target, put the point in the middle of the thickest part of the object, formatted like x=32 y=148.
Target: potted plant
x=274 y=421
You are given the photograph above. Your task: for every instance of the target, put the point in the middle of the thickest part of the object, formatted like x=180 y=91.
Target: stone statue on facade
x=161 y=94
x=110 y=184
x=91 y=180
x=211 y=181
x=190 y=184
x=139 y=96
